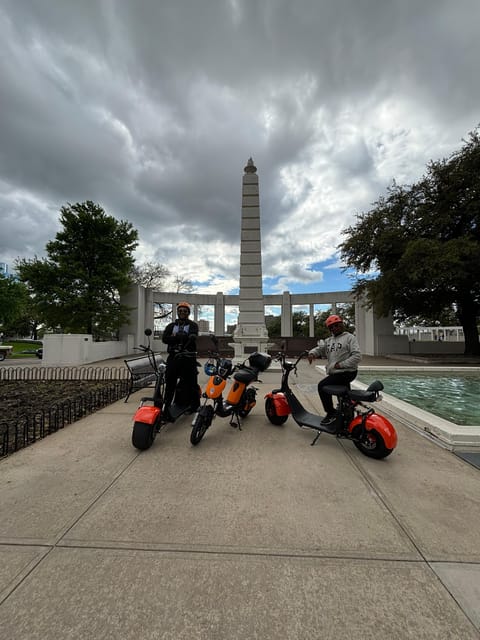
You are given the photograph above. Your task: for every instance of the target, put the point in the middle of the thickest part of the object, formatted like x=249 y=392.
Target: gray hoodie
x=343 y=349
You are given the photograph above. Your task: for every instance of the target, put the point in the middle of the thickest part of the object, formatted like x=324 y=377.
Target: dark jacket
x=180 y=336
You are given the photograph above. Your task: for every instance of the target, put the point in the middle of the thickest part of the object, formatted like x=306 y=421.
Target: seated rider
x=180 y=336
x=343 y=355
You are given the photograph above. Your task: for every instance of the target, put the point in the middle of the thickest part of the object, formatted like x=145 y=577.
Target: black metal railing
x=27 y=428
x=63 y=373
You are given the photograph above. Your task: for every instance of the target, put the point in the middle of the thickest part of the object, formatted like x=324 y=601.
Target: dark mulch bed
x=17 y=397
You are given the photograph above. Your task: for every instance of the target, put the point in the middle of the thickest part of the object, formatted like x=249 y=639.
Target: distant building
x=203 y=326
x=3 y=268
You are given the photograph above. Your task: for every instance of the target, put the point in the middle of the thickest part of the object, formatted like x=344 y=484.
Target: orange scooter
x=241 y=396
x=371 y=433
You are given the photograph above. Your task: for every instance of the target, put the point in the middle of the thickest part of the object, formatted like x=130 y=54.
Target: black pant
x=181 y=375
x=341 y=378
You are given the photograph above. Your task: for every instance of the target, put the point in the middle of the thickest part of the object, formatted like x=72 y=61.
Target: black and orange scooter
x=150 y=416
x=371 y=433
x=240 y=397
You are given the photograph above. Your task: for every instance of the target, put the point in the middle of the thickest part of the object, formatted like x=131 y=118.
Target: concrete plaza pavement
x=251 y=534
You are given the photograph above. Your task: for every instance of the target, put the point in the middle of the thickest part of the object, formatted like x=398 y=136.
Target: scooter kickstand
x=235 y=423
x=316 y=438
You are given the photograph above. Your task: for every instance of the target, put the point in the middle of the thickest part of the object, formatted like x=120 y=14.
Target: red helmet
x=185 y=305
x=332 y=320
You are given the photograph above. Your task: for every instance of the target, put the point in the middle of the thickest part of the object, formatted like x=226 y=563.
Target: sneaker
x=328 y=419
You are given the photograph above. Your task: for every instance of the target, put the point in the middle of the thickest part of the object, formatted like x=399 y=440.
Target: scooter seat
x=246 y=375
x=362 y=396
x=356 y=395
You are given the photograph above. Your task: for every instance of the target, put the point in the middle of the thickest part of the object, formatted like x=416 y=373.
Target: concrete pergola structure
x=375 y=335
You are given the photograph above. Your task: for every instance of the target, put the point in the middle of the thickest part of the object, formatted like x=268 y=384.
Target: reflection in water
x=453 y=397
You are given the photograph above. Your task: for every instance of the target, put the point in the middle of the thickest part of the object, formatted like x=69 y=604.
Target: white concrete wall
x=74 y=349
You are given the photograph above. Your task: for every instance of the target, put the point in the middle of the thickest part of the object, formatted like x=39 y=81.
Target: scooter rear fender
x=379 y=424
x=147 y=414
x=282 y=408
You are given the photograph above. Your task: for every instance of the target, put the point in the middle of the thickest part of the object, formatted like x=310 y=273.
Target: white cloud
x=152 y=110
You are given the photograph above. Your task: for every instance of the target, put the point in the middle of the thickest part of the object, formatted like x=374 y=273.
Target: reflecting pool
x=453 y=396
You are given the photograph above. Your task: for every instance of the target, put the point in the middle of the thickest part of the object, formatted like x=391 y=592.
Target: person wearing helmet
x=343 y=355
x=180 y=337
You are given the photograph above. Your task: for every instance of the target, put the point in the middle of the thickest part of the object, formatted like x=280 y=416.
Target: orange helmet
x=185 y=305
x=332 y=320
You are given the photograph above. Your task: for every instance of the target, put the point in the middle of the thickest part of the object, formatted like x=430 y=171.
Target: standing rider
x=343 y=355
x=180 y=336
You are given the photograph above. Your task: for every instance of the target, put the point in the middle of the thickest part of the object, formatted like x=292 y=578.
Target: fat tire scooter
x=371 y=433
x=150 y=417
x=147 y=420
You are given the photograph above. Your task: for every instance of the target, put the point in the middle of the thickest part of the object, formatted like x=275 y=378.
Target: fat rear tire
x=271 y=413
x=373 y=445
x=143 y=435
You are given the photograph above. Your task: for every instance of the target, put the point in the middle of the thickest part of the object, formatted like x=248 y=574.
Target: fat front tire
x=199 y=429
x=372 y=445
x=2 y=356
x=271 y=413
x=143 y=435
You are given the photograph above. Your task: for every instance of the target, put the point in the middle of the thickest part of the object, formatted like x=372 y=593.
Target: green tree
x=77 y=287
x=13 y=300
x=273 y=325
x=418 y=250
x=300 y=323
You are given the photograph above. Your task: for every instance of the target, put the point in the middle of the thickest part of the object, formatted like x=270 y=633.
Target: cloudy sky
x=151 y=108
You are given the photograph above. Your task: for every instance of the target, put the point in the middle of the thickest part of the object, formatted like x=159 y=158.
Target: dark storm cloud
x=152 y=109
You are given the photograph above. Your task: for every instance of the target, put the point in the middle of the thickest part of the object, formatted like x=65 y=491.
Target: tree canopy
x=13 y=300
x=77 y=287
x=417 y=251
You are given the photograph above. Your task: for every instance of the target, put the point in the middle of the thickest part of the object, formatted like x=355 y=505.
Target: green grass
x=18 y=347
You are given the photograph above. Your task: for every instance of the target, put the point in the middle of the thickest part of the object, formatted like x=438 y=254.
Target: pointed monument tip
x=250 y=168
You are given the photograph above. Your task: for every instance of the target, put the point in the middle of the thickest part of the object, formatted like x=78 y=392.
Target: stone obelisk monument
x=251 y=333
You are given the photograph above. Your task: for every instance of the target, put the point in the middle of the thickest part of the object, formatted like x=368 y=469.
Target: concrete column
x=219 y=320
x=149 y=313
x=311 y=321
x=251 y=333
x=286 y=326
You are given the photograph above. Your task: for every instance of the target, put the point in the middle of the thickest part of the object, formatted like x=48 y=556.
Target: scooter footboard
x=380 y=424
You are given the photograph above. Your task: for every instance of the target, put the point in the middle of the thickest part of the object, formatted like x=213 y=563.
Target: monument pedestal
x=247 y=339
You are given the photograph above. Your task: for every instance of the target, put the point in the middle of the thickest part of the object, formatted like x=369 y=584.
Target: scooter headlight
x=210 y=368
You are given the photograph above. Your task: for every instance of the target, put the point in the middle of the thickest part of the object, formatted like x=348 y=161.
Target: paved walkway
x=252 y=534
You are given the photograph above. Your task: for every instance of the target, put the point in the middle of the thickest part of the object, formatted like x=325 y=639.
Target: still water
x=454 y=397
